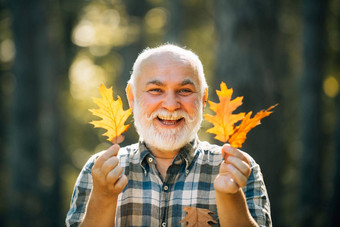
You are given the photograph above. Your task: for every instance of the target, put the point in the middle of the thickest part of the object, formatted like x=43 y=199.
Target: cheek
x=149 y=104
x=191 y=105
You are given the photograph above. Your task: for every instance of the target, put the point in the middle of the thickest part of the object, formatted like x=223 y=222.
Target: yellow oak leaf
x=197 y=217
x=112 y=114
x=240 y=133
x=224 y=119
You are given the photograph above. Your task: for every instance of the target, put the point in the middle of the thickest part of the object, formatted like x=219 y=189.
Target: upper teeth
x=171 y=118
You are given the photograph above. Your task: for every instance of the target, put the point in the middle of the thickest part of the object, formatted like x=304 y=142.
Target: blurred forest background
x=55 y=53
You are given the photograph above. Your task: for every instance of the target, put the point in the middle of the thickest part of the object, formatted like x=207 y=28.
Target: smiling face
x=167 y=103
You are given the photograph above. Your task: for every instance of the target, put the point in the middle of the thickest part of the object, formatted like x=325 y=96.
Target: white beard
x=167 y=139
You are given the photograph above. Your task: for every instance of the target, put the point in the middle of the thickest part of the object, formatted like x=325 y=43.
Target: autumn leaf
x=224 y=121
x=197 y=217
x=240 y=133
x=112 y=114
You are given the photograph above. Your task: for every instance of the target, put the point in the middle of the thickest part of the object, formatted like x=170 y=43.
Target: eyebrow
x=155 y=82
x=160 y=83
x=187 y=81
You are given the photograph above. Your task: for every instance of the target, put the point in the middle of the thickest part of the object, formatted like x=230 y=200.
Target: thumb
x=224 y=152
x=115 y=149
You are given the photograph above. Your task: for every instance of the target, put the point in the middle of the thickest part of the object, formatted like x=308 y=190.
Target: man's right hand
x=108 y=180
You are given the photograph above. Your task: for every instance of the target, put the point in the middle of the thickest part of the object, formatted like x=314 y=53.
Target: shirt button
x=187 y=171
x=165 y=189
x=163 y=224
x=150 y=160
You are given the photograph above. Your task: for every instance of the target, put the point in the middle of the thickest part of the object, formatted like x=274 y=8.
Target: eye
x=155 y=91
x=185 y=92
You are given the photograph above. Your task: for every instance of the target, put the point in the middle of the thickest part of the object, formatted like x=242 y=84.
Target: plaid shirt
x=147 y=200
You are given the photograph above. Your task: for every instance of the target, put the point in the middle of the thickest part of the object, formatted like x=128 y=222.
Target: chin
x=167 y=140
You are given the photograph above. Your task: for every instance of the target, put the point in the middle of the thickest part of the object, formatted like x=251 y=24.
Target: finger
x=241 y=165
x=228 y=150
x=109 y=165
x=234 y=173
x=114 y=175
x=121 y=183
x=223 y=168
x=237 y=176
x=225 y=184
x=112 y=151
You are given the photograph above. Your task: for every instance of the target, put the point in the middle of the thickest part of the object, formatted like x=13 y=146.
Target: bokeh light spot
x=331 y=86
x=85 y=78
x=84 y=34
x=7 y=50
x=111 y=17
x=156 y=18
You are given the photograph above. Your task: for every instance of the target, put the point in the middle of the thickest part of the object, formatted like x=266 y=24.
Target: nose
x=170 y=102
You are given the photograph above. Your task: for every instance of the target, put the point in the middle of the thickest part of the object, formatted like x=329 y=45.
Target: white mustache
x=166 y=114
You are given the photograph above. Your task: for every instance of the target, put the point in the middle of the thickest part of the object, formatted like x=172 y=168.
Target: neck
x=161 y=154
x=164 y=160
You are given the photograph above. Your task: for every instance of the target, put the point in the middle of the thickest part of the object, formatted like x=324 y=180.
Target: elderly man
x=149 y=183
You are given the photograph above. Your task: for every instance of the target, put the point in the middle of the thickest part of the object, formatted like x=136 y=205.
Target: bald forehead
x=168 y=62
x=167 y=57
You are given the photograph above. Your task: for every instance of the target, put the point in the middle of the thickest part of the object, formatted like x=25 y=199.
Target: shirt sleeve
x=80 y=196
x=257 y=196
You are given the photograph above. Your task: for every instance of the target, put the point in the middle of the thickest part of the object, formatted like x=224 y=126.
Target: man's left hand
x=234 y=171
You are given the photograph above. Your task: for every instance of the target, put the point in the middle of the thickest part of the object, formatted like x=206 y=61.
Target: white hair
x=175 y=52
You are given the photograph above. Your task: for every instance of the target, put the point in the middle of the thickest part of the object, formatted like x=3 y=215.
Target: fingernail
x=227 y=149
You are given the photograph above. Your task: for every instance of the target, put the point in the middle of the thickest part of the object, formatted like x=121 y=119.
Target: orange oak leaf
x=224 y=120
x=197 y=217
x=112 y=114
x=240 y=133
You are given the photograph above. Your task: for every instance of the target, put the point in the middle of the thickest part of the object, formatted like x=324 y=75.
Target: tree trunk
x=250 y=60
x=174 y=24
x=35 y=127
x=335 y=201
x=2 y=148
x=314 y=13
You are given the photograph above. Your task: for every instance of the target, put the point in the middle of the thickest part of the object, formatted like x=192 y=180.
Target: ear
x=205 y=97
x=129 y=94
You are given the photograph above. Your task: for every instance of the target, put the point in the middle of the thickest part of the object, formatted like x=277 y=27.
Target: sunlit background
x=54 y=56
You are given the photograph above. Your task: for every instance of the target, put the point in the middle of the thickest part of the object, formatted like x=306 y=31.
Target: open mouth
x=170 y=120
